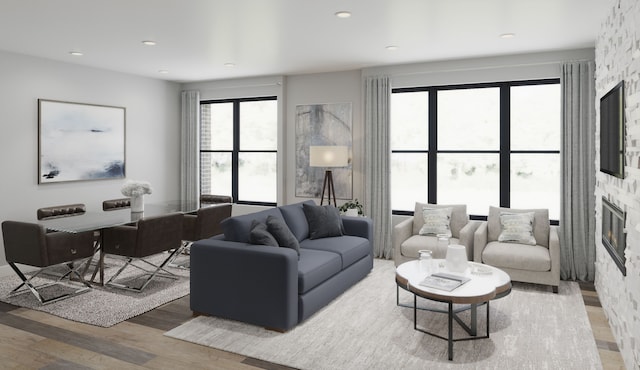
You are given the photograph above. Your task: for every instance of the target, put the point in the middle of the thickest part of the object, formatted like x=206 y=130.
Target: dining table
x=98 y=221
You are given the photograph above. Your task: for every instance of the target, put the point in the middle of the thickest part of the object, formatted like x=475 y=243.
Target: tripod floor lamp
x=328 y=156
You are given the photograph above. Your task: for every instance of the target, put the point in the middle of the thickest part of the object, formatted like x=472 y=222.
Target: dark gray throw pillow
x=260 y=235
x=324 y=221
x=279 y=229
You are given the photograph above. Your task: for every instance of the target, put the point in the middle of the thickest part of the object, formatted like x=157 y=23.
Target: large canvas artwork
x=80 y=141
x=322 y=124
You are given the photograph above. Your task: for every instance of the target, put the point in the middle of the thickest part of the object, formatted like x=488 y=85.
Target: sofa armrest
x=467 y=235
x=256 y=284
x=479 y=241
x=358 y=226
x=401 y=232
x=554 y=252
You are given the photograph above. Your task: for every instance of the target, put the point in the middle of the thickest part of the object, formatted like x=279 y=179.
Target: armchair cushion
x=517 y=256
x=540 y=224
x=410 y=247
x=459 y=217
x=436 y=221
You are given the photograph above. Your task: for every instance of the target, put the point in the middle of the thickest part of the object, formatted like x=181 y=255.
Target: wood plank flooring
x=35 y=340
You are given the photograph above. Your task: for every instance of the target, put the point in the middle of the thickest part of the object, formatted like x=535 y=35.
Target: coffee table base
x=453 y=315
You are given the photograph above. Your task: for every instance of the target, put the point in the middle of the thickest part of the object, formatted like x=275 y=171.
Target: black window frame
x=236 y=150
x=504 y=150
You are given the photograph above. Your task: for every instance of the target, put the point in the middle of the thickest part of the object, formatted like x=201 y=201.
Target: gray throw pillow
x=260 y=235
x=324 y=221
x=281 y=232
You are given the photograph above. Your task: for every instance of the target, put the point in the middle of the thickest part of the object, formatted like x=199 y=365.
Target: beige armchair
x=407 y=241
x=538 y=263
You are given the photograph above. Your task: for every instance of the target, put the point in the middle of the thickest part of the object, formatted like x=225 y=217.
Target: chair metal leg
x=35 y=290
x=159 y=270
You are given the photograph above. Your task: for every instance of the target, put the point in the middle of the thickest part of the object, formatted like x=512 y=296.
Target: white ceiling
x=195 y=38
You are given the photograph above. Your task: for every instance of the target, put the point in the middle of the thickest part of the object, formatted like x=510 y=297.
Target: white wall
x=618 y=59
x=152 y=133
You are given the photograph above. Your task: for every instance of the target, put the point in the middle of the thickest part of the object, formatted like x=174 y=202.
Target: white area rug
x=104 y=306
x=531 y=328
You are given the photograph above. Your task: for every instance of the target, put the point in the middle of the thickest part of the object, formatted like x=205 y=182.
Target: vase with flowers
x=135 y=190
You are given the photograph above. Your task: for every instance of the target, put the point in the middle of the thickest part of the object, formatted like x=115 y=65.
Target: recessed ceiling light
x=230 y=65
x=163 y=71
x=343 y=14
x=391 y=47
x=76 y=53
x=149 y=42
x=507 y=35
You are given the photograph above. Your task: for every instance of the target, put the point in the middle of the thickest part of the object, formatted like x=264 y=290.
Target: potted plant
x=352 y=208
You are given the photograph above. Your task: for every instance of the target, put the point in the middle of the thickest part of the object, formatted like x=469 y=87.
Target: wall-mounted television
x=612 y=131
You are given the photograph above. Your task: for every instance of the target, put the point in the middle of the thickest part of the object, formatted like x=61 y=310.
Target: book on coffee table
x=444 y=281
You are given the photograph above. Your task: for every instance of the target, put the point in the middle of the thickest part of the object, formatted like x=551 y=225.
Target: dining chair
x=115 y=204
x=202 y=224
x=148 y=237
x=30 y=244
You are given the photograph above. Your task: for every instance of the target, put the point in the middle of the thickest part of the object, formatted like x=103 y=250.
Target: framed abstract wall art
x=78 y=141
x=322 y=124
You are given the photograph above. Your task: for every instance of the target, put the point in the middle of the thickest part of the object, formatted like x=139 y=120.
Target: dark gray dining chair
x=115 y=204
x=135 y=243
x=30 y=244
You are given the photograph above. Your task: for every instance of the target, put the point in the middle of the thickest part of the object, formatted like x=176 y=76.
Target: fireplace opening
x=613 y=233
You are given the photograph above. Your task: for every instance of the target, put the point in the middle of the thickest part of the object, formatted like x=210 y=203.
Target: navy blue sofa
x=274 y=287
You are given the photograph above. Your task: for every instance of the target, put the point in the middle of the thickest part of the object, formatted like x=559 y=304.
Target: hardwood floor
x=35 y=340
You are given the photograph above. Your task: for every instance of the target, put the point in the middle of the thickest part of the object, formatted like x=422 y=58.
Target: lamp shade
x=328 y=156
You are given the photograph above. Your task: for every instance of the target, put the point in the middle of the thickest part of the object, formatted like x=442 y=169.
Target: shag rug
x=531 y=328
x=102 y=306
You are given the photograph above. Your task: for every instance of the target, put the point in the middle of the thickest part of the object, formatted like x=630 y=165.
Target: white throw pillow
x=436 y=221
x=517 y=228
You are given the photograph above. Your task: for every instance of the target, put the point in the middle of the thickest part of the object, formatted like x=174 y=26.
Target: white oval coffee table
x=483 y=286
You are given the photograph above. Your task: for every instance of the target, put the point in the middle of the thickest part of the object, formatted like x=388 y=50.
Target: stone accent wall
x=618 y=58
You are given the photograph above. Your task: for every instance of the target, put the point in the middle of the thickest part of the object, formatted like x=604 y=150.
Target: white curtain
x=190 y=146
x=577 y=218
x=377 y=94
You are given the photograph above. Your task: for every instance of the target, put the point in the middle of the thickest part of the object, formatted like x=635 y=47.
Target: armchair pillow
x=517 y=228
x=459 y=217
x=540 y=223
x=436 y=221
x=324 y=221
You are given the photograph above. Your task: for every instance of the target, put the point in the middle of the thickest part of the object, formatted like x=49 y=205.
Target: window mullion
x=236 y=150
x=432 y=155
x=505 y=145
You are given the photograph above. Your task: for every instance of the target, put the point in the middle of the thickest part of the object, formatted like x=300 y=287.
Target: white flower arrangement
x=133 y=188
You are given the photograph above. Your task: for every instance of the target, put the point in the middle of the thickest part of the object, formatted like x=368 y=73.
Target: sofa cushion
x=517 y=256
x=459 y=217
x=410 y=247
x=540 y=224
x=315 y=267
x=350 y=248
x=236 y=229
x=260 y=235
x=324 y=221
x=296 y=220
x=279 y=229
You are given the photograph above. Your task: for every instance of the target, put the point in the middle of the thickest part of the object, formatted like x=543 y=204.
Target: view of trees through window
x=495 y=144
x=238 y=149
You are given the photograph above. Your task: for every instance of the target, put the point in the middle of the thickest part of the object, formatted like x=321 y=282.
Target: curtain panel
x=377 y=95
x=190 y=146
x=577 y=217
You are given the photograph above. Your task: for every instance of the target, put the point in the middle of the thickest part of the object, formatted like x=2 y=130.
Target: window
x=494 y=144
x=238 y=149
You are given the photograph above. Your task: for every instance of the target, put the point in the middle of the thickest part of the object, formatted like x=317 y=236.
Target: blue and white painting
x=80 y=141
